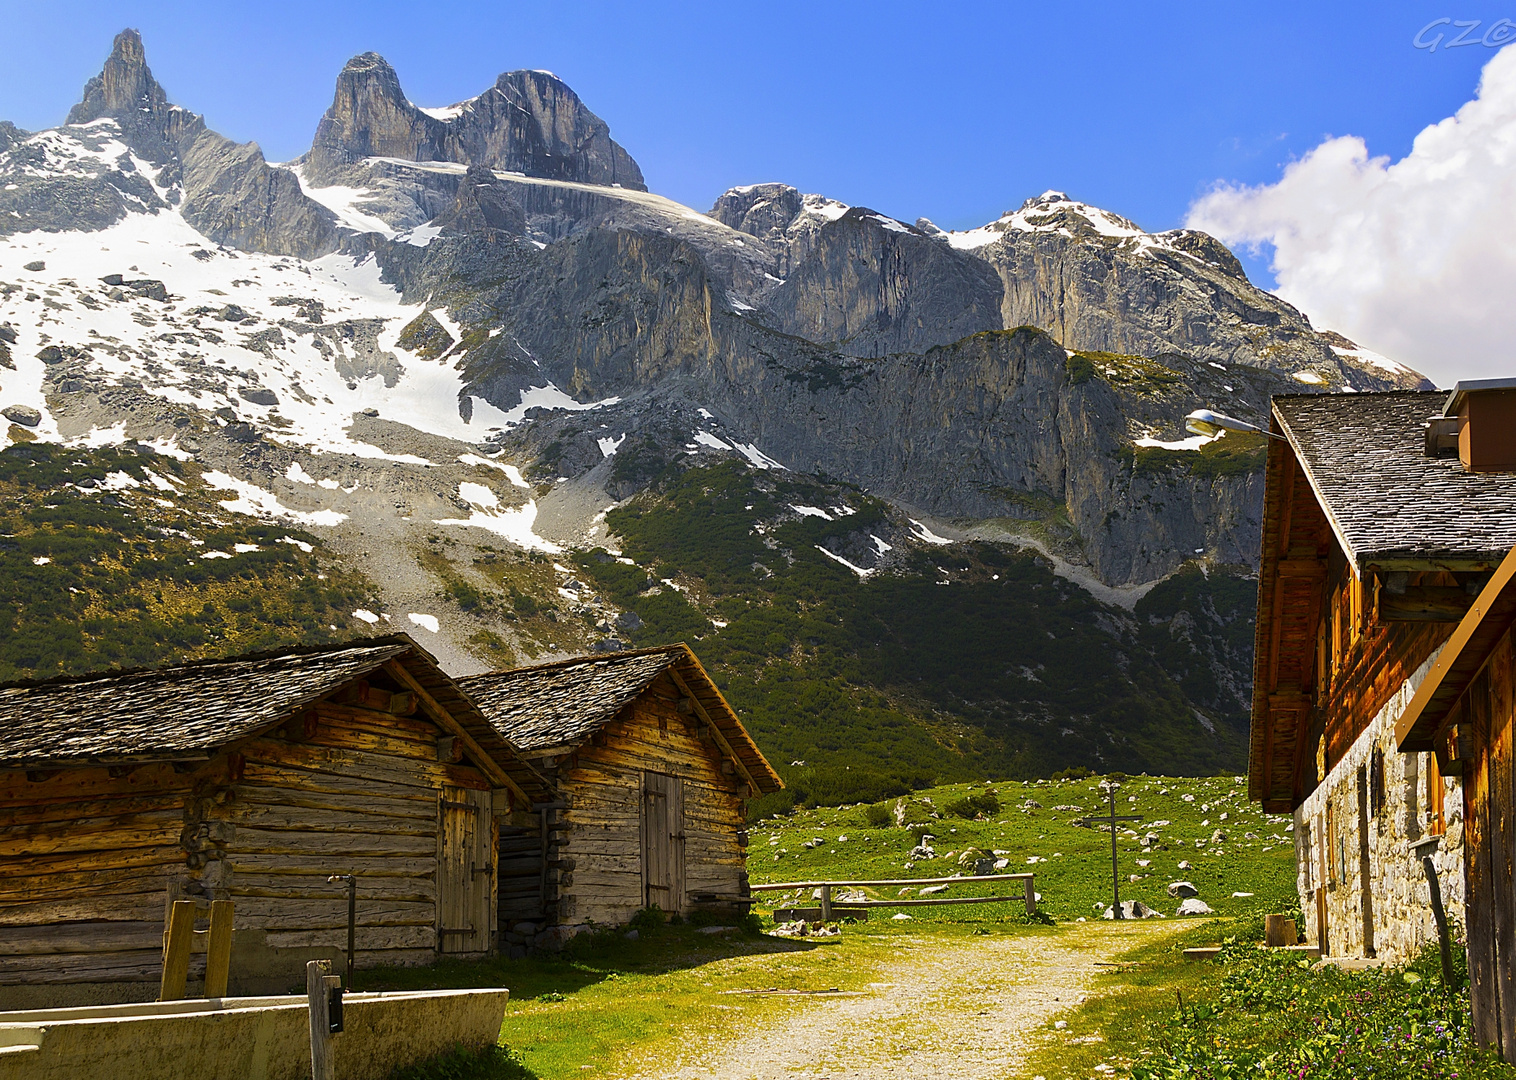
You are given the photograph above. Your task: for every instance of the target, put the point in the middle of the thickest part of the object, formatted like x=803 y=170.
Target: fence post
x=218 y=949
x=826 y=903
x=176 y=950
x=316 y=975
x=1031 y=896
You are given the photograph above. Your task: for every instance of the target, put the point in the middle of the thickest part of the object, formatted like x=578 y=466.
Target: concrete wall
x=1374 y=861
x=243 y=1038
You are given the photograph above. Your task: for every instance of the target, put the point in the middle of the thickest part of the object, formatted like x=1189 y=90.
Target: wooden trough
x=265 y=1038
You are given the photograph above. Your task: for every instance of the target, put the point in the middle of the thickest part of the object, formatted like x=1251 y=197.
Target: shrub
x=1074 y=772
x=878 y=815
x=973 y=804
x=648 y=918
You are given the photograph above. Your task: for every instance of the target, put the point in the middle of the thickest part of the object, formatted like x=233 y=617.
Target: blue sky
x=953 y=111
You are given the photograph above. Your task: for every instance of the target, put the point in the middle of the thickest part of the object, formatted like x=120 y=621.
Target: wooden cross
x=1110 y=788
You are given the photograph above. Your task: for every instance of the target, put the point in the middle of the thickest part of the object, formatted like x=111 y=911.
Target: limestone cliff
x=529 y=122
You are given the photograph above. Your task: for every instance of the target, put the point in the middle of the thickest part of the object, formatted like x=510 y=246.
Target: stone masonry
x=1354 y=835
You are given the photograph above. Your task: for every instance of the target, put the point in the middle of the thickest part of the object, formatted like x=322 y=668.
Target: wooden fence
x=826 y=888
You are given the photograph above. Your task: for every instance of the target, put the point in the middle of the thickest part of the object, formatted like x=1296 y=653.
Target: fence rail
x=826 y=887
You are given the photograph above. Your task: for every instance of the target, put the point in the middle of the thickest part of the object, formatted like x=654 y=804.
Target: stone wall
x=1370 y=828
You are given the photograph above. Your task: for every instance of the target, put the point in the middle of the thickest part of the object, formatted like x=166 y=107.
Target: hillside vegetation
x=116 y=557
x=950 y=663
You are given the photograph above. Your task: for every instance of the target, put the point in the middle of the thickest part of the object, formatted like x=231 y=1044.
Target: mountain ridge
x=500 y=401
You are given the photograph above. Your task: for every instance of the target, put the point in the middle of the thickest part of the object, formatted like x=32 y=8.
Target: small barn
x=1382 y=671
x=254 y=780
x=650 y=770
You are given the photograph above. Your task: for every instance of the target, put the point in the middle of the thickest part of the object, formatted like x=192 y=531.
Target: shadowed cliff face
x=528 y=122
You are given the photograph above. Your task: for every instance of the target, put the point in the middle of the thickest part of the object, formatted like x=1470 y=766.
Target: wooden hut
x=1384 y=518
x=252 y=779
x=650 y=770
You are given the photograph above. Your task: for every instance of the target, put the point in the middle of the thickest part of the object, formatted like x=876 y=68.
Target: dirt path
x=963 y=1009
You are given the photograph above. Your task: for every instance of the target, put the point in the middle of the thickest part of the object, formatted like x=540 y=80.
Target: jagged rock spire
x=529 y=122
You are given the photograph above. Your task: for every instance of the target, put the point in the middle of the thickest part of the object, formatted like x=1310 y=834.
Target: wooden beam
x=721 y=741
x=486 y=763
x=1425 y=603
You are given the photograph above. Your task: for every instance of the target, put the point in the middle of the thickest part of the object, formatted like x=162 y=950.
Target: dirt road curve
x=952 y=1010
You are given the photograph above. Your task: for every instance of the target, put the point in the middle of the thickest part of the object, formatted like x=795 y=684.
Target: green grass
x=1076 y=873
x=1266 y=1014
x=607 y=999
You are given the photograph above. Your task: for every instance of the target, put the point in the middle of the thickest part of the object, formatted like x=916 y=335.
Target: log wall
x=1489 y=791
x=91 y=858
x=595 y=863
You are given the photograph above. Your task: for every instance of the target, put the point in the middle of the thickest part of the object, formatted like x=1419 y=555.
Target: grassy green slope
x=965 y=662
x=1036 y=820
x=102 y=565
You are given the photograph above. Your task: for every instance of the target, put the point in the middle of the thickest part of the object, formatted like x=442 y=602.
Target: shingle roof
x=563 y=703
x=1388 y=502
x=189 y=710
x=168 y=712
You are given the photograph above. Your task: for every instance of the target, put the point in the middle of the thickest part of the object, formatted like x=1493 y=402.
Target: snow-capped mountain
x=448 y=341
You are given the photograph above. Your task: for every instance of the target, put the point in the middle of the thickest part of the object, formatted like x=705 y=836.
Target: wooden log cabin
x=1385 y=516
x=251 y=779
x=650 y=770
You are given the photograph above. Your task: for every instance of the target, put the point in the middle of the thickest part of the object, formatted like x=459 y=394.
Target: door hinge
x=487 y=868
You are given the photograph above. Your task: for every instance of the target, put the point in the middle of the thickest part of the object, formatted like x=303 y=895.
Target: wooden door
x=465 y=871
x=663 y=841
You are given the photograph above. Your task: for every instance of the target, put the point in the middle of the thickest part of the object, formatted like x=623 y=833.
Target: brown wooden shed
x=251 y=779
x=650 y=769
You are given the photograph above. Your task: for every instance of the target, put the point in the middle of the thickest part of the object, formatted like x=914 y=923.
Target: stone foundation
x=1371 y=869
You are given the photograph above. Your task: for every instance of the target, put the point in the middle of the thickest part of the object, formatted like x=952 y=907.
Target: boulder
x=1132 y=909
x=24 y=415
x=1182 y=890
x=258 y=395
x=556 y=937
x=1194 y=906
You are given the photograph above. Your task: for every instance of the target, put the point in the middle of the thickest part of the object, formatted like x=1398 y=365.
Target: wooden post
x=318 y=978
x=1278 y=931
x=218 y=958
x=1110 y=787
x=1444 y=942
x=826 y=903
x=176 y=950
x=1031 y=897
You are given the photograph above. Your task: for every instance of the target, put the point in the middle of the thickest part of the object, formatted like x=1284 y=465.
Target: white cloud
x=1414 y=258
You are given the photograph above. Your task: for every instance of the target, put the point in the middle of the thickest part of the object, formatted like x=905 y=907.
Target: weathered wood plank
x=304 y=886
x=128 y=907
x=260 y=775
x=86 y=884
x=337 y=845
x=138 y=965
x=360 y=802
x=373 y=940
x=1480 y=899
x=329 y=913
x=94 y=834
x=322 y=865
x=276 y=816
x=362 y=764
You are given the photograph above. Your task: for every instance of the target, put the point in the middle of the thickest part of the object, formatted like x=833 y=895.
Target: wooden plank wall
x=521 y=886
x=598 y=853
x=88 y=860
x=1489 y=787
x=350 y=790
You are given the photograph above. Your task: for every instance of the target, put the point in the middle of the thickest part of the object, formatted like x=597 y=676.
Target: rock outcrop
x=529 y=122
x=229 y=192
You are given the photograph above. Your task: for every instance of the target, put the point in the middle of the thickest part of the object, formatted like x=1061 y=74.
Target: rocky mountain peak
x=126 y=91
x=529 y=122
